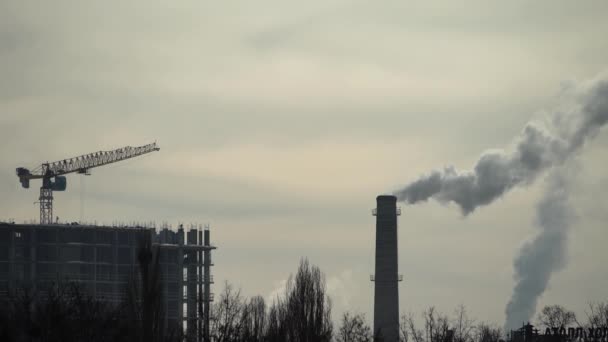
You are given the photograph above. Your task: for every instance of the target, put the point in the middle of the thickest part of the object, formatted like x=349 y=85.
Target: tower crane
x=53 y=179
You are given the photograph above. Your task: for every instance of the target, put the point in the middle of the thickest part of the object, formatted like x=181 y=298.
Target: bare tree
x=488 y=333
x=304 y=314
x=408 y=329
x=597 y=315
x=404 y=333
x=62 y=311
x=353 y=328
x=308 y=307
x=225 y=320
x=253 y=318
x=556 y=316
x=276 y=322
x=436 y=325
x=144 y=302
x=463 y=325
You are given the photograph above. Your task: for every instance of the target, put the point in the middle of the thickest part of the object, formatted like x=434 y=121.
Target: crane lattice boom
x=85 y=162
x=82 y=164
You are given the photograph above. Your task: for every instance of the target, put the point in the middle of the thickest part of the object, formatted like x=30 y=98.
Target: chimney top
x=386 y=198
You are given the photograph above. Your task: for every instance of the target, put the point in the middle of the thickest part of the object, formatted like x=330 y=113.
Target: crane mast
x=52 y=174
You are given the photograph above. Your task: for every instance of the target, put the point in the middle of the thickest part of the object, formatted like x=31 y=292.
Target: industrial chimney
x=386 y=278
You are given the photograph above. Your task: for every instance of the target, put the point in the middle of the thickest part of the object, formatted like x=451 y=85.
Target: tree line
x=65 y=311
x=302 y=313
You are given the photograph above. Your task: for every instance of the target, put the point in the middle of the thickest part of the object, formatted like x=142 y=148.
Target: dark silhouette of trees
x=276 y=328
x=301 y=314
x=408 y=330
x=234 y=318
x=254 y=320
x=438 y=327
x=66 y=312
x=597 y=315
x=226 y=316
x=353 y=328
x=143 y=307
x=462 y=325
x=488 y=333
x=63 y=312
x=306 y=312
x=556 y=316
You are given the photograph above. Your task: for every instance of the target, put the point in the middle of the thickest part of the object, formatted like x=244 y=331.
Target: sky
x=279 y=123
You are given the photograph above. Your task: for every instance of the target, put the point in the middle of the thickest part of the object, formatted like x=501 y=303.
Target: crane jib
x=89 y=161
x=51 y=173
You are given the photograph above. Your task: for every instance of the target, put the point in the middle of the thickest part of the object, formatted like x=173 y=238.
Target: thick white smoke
x=540 y=146
x=539 y=258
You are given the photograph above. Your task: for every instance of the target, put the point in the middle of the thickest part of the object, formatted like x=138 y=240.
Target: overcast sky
x=279 y=123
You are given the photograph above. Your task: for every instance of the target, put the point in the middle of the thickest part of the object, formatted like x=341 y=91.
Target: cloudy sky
x=280 y=121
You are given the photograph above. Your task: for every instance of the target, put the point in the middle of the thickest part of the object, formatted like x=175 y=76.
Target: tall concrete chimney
x=386 y=278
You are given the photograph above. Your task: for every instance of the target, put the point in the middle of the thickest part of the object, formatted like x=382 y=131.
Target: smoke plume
x=540 y=146
x=539 y=258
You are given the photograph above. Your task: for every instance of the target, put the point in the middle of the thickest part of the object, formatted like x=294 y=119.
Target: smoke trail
x=539 y=147
x=545 y=254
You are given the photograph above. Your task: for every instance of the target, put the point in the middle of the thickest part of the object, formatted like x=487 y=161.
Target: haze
x=280 y=122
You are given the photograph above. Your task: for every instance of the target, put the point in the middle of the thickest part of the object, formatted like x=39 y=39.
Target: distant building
x=104 y=259
x=528 y=333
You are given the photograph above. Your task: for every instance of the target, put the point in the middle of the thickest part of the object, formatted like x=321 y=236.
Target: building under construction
x=103 y=260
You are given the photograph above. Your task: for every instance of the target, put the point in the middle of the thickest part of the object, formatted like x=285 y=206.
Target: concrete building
x=386 y=277
x=104 y=260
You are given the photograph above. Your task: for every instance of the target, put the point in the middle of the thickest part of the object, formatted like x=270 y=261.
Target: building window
x=105 y=254
x=105 y=272
x=46 y=270
x=125 y=273
x=173 y=308
x=19 y=271
x=104 y=237
x=46 y=235
x=86 y=254
x=46 y=253
x=87 y=272
x=71 y=271
x=124 y=256
x=71 y=253
x=123 y=238
x=3 y=253
x=21 y=252
x=105 y=290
